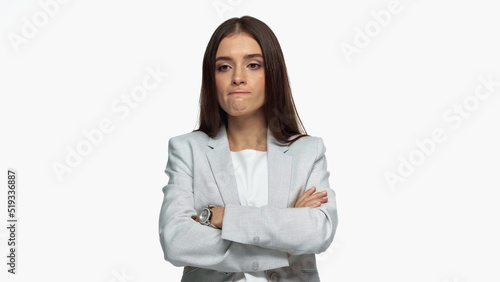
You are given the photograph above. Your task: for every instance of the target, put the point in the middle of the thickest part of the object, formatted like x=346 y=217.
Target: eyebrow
x=246 y=57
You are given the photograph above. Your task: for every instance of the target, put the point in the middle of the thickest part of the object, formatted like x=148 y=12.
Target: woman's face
x=239 y=75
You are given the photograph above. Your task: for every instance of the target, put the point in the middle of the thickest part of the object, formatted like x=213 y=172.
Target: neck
x=247 y=132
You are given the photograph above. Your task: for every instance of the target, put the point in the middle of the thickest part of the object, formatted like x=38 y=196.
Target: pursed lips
x=238 y=92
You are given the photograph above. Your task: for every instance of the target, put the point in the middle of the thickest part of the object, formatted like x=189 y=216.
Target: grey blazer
x=201 y=172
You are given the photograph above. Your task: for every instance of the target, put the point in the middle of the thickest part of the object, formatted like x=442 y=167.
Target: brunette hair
x=281 y=115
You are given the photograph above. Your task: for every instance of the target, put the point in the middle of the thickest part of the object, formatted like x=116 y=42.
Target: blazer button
x=256 y=240
x=255 y=265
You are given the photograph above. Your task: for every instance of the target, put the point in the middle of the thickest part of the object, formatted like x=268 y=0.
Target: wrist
x=206 y=216
x=218 y=216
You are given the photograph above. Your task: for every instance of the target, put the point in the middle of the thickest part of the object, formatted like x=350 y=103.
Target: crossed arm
x=309 y=226
x=308 y=199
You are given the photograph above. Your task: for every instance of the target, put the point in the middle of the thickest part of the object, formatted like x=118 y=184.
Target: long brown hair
x=281 y=115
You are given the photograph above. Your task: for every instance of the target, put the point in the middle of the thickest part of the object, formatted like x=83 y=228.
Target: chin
x=237 y=114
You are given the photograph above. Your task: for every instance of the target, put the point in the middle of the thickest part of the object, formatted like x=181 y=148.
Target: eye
x=223 y=68
x=254 y=66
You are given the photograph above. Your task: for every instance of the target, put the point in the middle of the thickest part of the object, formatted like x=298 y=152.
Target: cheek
x=218 y=86
x=218 y=83
x=261 y=82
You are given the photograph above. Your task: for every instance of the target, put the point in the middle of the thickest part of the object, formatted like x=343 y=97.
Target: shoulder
x=310 y=145
x=192 y=141
x=308 y=142
x=194 y=136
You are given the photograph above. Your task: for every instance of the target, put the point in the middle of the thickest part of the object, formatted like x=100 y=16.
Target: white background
x=100 y=222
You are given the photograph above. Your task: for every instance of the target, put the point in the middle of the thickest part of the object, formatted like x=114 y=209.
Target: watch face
x=204 y=215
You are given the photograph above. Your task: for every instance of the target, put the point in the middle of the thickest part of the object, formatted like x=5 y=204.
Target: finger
x=308 y=199
x=322 y=193
x=306 y=194
x=305 y=199
x=315 y=202
x=314 y=196
x=312 y=204
x=318 y=195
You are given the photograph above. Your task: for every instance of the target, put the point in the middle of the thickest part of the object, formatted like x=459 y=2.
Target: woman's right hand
x=308 y=199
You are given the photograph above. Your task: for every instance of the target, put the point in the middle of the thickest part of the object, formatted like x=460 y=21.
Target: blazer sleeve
x=186 y=242
x=293 y=230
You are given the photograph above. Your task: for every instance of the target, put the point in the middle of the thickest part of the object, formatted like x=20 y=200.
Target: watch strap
x=208 y=223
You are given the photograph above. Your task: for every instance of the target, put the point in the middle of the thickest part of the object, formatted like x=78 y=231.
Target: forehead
x=238 y=45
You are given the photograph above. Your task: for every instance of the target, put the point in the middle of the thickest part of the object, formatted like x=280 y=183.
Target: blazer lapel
x=221 y=164
x=279 y=170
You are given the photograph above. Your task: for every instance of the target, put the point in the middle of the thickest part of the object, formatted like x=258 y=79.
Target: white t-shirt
x=250 y=169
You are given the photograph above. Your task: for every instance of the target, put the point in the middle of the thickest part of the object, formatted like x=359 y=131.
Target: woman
x=236 y=206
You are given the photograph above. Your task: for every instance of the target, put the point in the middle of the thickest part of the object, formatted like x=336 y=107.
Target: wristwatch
x=206 y=215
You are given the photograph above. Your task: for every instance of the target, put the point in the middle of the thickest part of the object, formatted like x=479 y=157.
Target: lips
x=238 y=92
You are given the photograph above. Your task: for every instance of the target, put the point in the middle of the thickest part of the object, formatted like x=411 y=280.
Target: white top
x=250 y=169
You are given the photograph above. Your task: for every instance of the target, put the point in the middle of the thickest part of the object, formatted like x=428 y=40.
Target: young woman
x=236 y=206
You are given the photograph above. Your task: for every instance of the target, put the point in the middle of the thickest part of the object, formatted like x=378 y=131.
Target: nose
x=238 y=77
